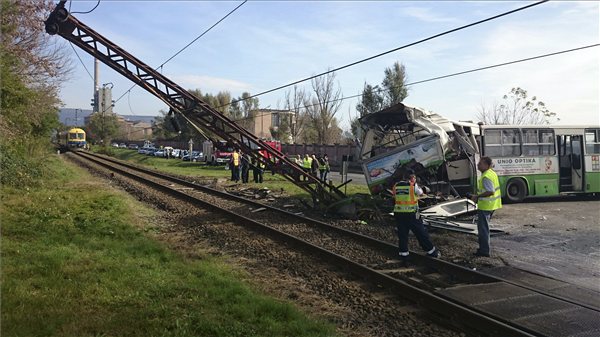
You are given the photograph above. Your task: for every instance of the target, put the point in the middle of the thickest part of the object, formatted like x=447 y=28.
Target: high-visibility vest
x=405 y=198
x=492 y=202
x=322 y=165
x=236 y=159
x=306 y=163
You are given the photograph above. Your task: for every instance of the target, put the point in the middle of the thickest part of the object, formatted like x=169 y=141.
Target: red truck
x=217 y=153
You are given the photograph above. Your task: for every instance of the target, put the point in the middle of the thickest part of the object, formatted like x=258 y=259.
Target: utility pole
x=96 y=104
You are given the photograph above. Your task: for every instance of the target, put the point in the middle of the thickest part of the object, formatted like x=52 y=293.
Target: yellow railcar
x=76 y=138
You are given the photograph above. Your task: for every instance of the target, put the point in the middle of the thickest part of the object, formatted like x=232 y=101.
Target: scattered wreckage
x=442 y=153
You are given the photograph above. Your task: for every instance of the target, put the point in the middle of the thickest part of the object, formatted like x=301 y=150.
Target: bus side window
x=592 y=141
x=502 y=143
x=538 y=142
x=511 y=143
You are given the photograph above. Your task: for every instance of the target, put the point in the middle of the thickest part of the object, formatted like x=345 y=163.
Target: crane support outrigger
x=199 y=114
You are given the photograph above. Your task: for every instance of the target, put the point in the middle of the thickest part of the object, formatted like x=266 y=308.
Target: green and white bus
x=543 y=160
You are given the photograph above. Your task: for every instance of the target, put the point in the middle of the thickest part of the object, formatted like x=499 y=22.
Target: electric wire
x=450 y=75
x=80 y=60
x=393 y=50
x=189 y=44
x=447 y=76
x=129 y=103
x=91 y=10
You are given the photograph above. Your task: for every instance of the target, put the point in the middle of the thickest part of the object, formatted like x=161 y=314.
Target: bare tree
x=323 y=106
x=43 y=60
x=516 y=109
x=32 y=66
x=294 y=102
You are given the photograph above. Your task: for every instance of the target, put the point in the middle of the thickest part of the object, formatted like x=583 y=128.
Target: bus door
x=570 y=161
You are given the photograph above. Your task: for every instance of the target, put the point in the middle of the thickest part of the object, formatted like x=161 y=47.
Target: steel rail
x=458 y=314
x=463 y=273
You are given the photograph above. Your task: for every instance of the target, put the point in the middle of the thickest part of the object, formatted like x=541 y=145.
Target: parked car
x=133 y=146
x=159 y=153
x=150 y=151
x=123 y=145
x=114 y=145
x=196 y=156
x=175 y=153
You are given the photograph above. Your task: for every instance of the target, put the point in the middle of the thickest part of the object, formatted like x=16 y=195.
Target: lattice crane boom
x=198 y=113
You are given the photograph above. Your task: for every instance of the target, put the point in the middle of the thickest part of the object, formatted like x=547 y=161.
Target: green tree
x=371 y=101
x=282 y=132
x=247 y=106
x=102 y=127
x=32 y=65
x=235 y=110
x=393 y=90
x=516 y=109
x=394 y=85
x=219 y=102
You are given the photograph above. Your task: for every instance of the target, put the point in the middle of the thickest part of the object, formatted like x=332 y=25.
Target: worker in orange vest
x=406 y=205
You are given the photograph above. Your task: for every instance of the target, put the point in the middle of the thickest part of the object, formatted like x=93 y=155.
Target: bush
x=23 y=163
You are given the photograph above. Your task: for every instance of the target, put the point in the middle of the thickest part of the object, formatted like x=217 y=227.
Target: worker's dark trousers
x=258 y=175
x=409 y=221
x=483 y=230
x=245 y=173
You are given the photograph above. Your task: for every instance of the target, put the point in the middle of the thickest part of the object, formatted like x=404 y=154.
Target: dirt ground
x=556 y=237
x=559 y=238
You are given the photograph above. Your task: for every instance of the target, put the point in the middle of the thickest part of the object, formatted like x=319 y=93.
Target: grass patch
x=76 y=262
x=177 y=166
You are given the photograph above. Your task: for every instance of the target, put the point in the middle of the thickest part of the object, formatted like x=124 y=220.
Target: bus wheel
x=516 y=190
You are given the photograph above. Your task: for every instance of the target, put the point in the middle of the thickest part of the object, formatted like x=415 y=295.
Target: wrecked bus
x=441 y=152
x=529 y=160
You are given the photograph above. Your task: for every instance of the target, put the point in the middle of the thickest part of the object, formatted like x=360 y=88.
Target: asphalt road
x=557 y=237
x=356 y=178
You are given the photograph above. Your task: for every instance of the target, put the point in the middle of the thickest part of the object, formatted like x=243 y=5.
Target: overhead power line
x=394 y=50
x=203 y=33
x=91 y=10
x=453 y=74
x=80 y=60
x=189 y=44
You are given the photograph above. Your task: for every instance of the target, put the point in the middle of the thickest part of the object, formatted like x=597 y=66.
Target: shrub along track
x=353 y=252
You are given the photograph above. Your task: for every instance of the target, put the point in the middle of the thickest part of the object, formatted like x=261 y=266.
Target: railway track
x=499 y=305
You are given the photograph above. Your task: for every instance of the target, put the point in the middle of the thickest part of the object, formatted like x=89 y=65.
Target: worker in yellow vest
x=406 y=205
x=488 y=200
x=306 y=164
x=235 y=158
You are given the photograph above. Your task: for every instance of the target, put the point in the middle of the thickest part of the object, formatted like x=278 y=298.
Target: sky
x=265 y=44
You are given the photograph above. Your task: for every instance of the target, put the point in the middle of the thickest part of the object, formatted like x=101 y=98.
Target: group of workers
x=406 y=206
x=240 y=165
x=406 y=199
x=317 y=166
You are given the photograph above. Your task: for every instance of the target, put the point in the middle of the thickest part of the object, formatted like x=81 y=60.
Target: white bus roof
x=558 y=129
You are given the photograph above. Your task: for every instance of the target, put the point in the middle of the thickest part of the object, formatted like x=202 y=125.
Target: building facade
x=266 y=120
